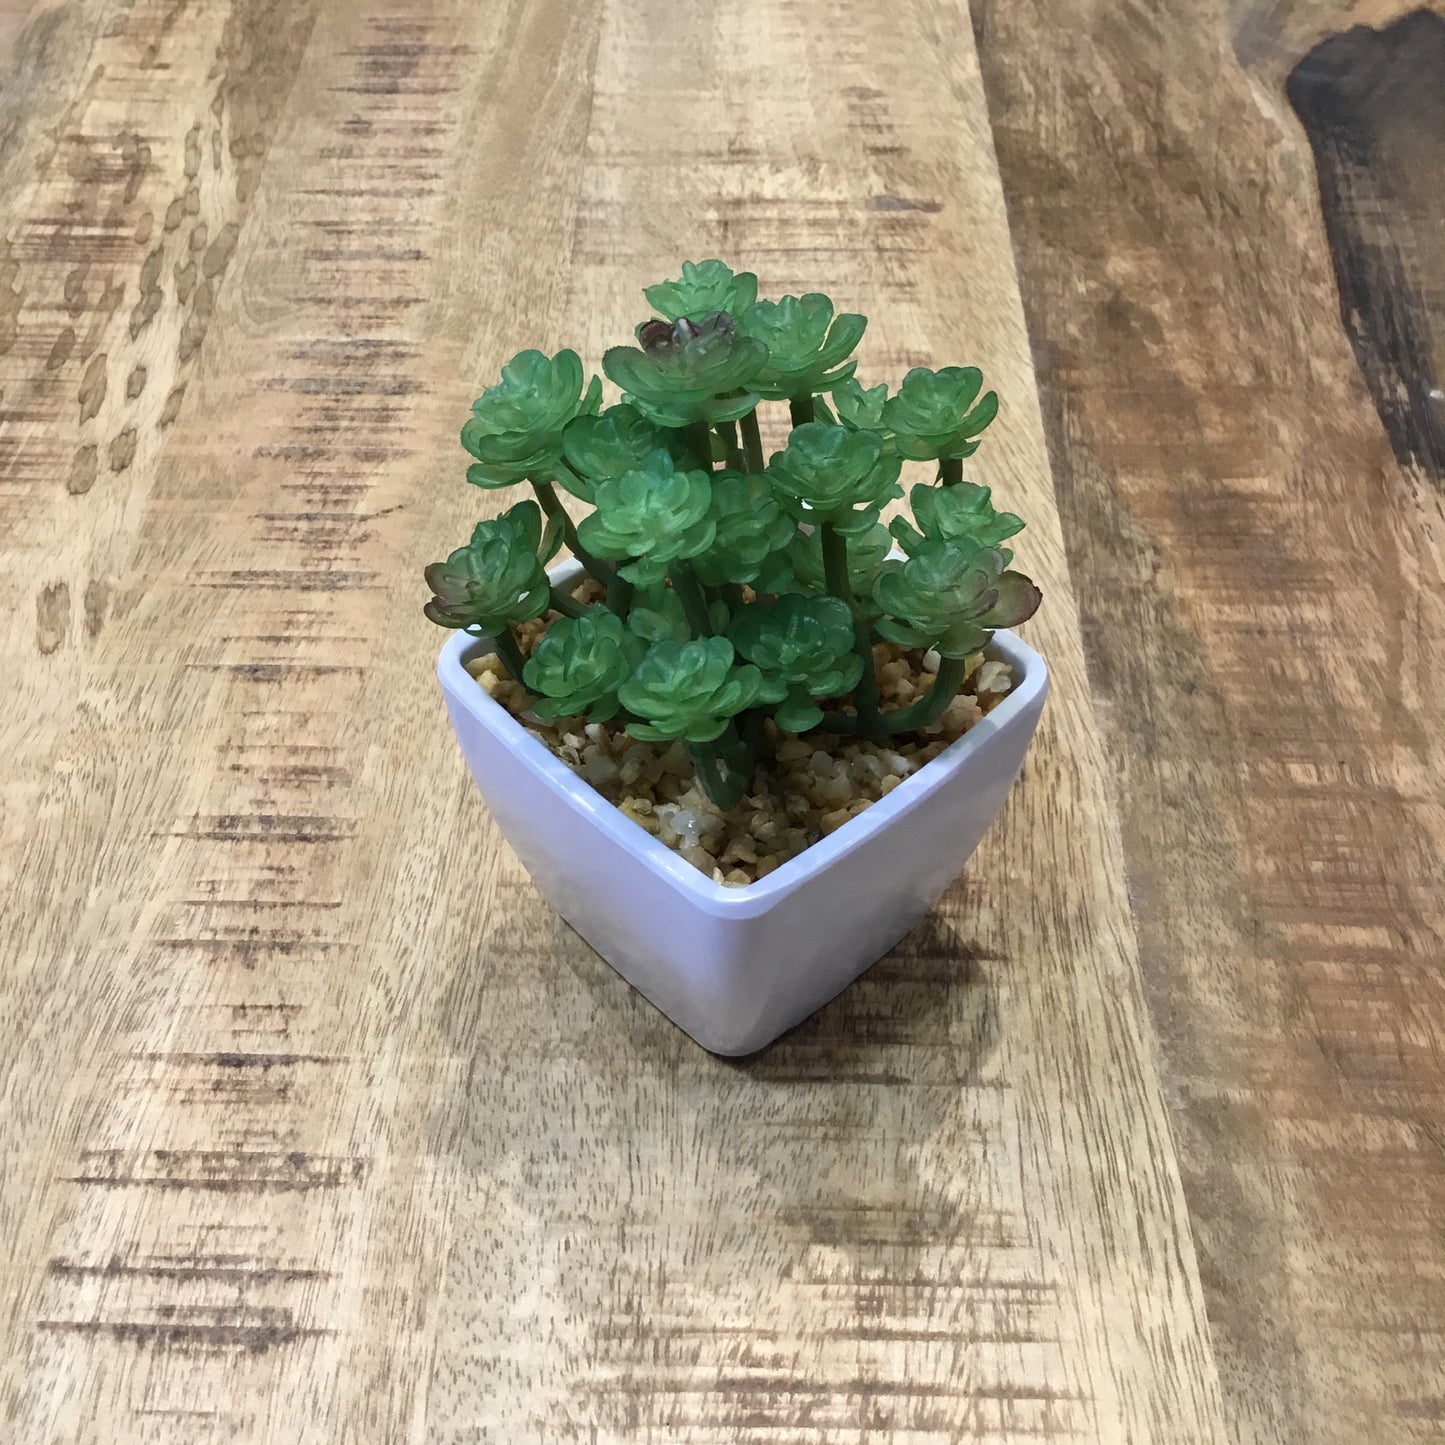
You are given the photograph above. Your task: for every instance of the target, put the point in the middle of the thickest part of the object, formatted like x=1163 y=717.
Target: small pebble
x=994 y=677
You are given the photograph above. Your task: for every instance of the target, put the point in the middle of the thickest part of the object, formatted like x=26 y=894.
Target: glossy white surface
x=736 y=967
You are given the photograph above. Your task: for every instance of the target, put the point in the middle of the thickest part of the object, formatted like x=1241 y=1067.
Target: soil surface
x=806 y=787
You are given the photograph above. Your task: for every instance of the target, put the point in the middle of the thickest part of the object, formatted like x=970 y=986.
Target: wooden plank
x=1260 y=584
x=319 y=1126
x=132 y=139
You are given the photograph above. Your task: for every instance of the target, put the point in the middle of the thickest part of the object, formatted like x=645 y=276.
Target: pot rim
x=717 y=899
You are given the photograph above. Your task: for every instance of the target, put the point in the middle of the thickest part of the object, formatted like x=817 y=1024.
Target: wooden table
x=318 y=1126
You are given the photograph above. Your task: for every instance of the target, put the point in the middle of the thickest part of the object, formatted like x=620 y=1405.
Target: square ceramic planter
x=736 y=967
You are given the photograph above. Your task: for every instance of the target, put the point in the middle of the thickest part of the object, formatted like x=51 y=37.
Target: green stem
x=950 y=471
x=699 y=436
x=724 y=767
x=619 y=595
x=752 y=733
x=723 y=787
x=800 y=408
x=752 y=442
x=571 y=481
x=566 y=604
x=689 y=593
x=835 y=578
x=509 y=652
x=920 y=714
x=598 y=570
x=728 y=431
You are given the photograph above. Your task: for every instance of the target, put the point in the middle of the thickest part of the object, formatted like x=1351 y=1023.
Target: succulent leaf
x=799 y=567
x=657 y=615
x=939 y=414
x=751 y=525
x=688 y=690
x=515 y=430
x=649 y=517
x=807 y=345
x=496 y=578
x=579 y=664
x=950 y=596
x=599 y=448
x=837 y=475
x=804 y=647
x=860 y=408
x=961 y=513
x=688 y=371
x=704 y=287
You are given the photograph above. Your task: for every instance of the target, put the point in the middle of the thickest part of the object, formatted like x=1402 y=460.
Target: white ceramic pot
x=736 y=967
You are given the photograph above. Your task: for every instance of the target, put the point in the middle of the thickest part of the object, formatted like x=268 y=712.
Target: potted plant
x=749 y=733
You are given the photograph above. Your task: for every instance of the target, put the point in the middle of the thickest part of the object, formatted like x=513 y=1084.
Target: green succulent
x=962 y=513
x=804 y=647
x=866 y=551
x=688 y=371
x=657 y=615
x=719 y=610
x=704 y=287
x=579 y=664
x=599 y=448
x=939 y=414
x=842 y=476
x=649 y=517
x=515 y=430
x=807 y=345
x=498 y=577
x=751 y=526
x=857 y=407
x=688 y=690
x=950 y=596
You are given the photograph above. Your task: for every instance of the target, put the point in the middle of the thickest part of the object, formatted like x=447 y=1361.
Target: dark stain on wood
x=184 y=1336
x=83 y=469
x=1373 y=105
x=92 y=387
x=60 y=351
x=270 y=672
x=122 y=450
x=11 y=299
x=97 y=600
x=234 y=1060
x=222 y=1269
x=232 y=1171
x=172 y=405
x=271 y=828
x=903 y=203
x=52 y=617
x=320 y=580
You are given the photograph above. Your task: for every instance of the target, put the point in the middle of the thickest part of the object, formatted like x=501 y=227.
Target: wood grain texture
x=1259 y=571
x=319 y=1127
x=136 y=135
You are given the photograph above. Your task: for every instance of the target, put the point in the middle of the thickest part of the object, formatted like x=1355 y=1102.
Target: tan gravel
x=809 y=786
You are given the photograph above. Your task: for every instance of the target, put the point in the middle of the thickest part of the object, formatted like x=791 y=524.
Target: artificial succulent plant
x=737 y=587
